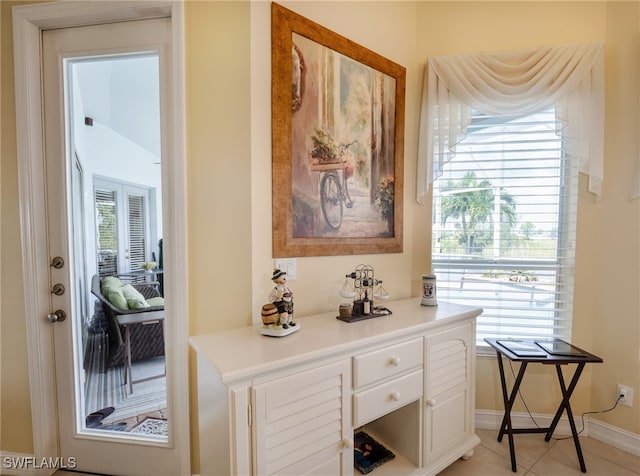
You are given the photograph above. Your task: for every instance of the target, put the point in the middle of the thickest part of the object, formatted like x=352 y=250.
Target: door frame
x=28 y=23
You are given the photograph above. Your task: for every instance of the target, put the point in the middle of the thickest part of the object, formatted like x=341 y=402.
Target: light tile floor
x=534 y=457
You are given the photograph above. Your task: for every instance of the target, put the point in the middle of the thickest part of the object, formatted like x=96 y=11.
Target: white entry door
x=86 y=442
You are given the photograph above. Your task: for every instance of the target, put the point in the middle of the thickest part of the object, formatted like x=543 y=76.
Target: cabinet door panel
x=448 y=360
x=448 y=384
x=447 y=364
x=300 y=421
x=447 y=423
x=297 y=403
x=318 y=414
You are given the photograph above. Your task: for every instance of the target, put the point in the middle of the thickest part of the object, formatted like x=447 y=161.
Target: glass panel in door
x=114 y=130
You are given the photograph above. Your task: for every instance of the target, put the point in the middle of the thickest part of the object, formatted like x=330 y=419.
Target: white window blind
x=107 y=224
x=504 y=216
x=137 y=231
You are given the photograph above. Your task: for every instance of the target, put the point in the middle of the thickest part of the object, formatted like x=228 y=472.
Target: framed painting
x=337 y=143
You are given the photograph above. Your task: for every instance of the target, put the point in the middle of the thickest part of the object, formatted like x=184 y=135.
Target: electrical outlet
x=627 y=395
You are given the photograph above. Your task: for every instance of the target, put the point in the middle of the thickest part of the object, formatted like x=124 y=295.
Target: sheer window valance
x=570 y=77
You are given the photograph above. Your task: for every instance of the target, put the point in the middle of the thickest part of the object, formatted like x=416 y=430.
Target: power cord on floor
x=581 y=416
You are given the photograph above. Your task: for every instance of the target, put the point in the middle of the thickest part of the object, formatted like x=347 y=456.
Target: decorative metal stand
x=363 y=295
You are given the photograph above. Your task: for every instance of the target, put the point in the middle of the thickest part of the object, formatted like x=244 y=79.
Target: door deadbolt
x=58 y=289
x=57 y=262
x=57 y=316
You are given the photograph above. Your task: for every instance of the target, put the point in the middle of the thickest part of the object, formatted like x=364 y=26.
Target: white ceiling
x=123 y=95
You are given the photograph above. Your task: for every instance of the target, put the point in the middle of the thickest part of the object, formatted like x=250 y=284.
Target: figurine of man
x=282 y=297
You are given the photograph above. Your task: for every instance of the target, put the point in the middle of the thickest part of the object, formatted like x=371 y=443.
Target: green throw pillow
x=116 y=297
x=135 y=300
x=156 y=301
x=110 y=283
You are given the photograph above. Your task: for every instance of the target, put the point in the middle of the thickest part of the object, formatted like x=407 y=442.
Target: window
x=504 y=215
x=137 y=230
x=107 y=232
x=124 y=224
x=505 y=210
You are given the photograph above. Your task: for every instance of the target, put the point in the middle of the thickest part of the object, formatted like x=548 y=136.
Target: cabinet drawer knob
x=395 y=396
x=347 y=443
x=431 y=402
x=395 y=360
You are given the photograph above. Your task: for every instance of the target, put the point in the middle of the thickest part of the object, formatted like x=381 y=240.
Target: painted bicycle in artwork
x=336 y=167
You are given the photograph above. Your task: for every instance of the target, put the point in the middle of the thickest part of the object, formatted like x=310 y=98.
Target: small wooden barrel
x=269 y=313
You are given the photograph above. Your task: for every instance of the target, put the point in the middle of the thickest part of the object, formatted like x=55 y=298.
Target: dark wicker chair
x=147 y=340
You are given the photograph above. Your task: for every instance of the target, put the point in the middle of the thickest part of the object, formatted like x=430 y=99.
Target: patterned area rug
x=104 y=387
x=152 y=426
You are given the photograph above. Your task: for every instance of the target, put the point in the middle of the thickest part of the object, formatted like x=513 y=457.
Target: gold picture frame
x=337 y=143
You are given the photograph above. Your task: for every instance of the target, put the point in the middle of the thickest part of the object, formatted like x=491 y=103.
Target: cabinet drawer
x=382 y=399
x=387 y=362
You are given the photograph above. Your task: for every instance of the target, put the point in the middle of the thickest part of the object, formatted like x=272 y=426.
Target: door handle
x=57 y=316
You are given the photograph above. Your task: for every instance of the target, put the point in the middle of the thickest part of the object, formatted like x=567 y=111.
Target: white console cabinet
x=291 y=405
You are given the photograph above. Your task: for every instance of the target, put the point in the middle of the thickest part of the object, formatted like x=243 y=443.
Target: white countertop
x=244 y=352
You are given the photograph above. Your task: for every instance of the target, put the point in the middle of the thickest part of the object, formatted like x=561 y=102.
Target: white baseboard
x=611 y=435
x=614 y=436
